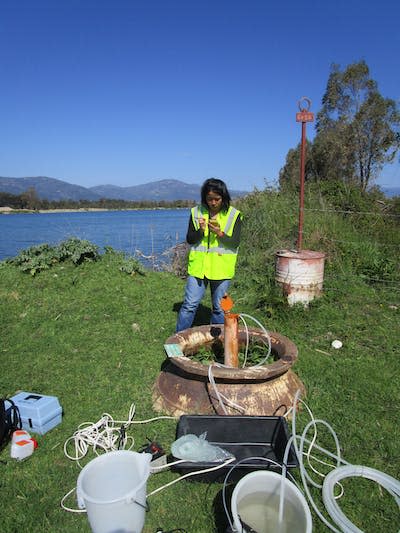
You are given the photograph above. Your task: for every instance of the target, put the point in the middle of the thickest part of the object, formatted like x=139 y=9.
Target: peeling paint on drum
x=301 y=274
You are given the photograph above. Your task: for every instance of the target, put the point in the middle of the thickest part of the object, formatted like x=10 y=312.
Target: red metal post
x=304 y=116
x=302 y=167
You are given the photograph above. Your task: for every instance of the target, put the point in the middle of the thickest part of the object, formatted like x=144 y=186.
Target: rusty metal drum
x=301 y=274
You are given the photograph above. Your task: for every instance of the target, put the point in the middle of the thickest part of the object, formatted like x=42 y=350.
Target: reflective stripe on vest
x=231 y=218
x=214 y=250
x=195 y=217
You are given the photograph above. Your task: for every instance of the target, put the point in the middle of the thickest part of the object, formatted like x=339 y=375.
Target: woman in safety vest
x=214 y=235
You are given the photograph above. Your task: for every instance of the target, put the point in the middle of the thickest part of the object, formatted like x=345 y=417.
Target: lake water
x=138 y=233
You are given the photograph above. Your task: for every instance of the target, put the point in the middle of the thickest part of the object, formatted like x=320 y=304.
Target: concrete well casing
x=183 y=385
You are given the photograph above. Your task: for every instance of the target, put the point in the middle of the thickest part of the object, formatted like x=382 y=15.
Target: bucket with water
x=256 y=500
x=112 y=489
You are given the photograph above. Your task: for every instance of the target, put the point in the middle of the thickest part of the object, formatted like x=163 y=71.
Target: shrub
x=42 y=257
x=131 y=266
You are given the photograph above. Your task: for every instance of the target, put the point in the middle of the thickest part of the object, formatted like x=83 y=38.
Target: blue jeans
x=194 y=292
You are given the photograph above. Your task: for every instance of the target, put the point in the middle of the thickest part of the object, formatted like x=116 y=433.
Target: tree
x=357 y=133
x=332 y=155
x=30 y=199
x=357 y=129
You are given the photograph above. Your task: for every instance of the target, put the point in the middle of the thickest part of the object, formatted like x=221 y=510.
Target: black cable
x=10 y=420
x=179 y=529
x=121 y=438
x=15 y=417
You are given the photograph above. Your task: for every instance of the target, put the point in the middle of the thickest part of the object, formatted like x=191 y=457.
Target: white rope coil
x=105 y=435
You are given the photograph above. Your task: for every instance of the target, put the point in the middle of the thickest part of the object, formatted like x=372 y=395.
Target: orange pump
x=226 y=303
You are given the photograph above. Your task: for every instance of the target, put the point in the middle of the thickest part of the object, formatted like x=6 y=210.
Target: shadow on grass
x=203 y=314
x=220 y=519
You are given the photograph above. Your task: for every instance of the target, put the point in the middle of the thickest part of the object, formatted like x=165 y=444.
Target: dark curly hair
x=219 y=187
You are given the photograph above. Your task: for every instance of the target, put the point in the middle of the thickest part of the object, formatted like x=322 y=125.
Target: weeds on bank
x=361 y=245
x=42 y=257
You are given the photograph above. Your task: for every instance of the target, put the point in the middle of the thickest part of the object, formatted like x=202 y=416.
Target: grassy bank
x=93 y=336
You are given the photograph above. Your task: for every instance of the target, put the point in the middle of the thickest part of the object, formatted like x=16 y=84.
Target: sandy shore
x=82 y=209
x=6 y=209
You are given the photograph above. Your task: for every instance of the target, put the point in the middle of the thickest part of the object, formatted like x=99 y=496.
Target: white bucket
x=255 y=503
x=112 y=489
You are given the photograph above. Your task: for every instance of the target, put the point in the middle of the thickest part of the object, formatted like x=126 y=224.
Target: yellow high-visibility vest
x=210 y=258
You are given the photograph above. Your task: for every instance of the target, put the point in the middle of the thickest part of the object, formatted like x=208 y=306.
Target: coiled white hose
x=263 y=362
x=386 y=481
x=339 y=472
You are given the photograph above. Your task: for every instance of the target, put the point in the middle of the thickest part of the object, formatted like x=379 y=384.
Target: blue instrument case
x=39 y=413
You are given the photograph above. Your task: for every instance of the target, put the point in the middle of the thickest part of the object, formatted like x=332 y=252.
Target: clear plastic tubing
x=389 y=483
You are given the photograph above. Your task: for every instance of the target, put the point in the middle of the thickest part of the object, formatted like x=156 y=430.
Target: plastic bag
x=194 y=448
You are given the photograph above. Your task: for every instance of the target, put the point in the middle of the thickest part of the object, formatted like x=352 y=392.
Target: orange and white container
x=22 y=445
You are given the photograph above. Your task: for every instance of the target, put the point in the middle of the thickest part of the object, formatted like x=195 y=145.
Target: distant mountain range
x=53 y=189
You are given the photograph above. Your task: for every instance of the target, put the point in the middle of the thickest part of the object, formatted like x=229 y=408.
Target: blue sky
x=127 y=92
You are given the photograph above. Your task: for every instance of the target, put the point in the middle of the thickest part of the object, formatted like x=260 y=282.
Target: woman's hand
x=202 y=223
x=214 y=226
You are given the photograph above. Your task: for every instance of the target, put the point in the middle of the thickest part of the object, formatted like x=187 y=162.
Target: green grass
x=93 y=336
